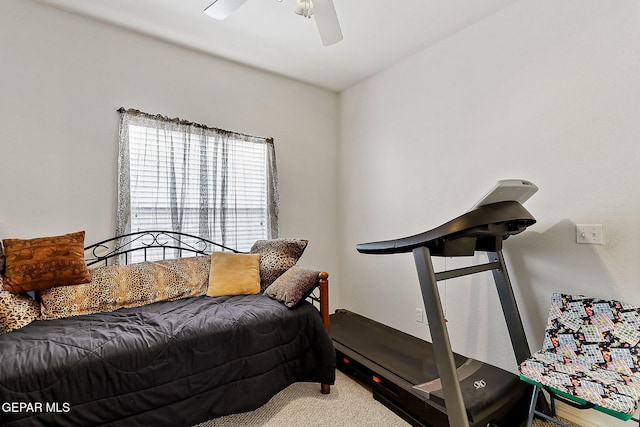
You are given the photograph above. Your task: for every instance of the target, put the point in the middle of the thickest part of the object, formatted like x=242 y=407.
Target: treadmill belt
x=408 y=357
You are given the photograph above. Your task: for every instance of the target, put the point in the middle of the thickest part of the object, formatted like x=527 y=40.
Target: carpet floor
x=348 y=405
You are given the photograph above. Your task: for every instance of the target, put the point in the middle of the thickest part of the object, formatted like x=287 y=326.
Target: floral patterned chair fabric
x=590 y=352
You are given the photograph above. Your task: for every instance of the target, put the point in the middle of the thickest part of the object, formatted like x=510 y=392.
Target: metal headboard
x=158 y=243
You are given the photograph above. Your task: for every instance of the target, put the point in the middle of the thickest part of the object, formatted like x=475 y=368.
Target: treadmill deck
x=392 y=362
x=408 y=357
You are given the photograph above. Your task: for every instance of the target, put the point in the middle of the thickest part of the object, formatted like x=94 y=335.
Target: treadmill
x=425 y=383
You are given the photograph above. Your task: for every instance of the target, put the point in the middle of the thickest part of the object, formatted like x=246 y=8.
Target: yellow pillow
x=234 y=274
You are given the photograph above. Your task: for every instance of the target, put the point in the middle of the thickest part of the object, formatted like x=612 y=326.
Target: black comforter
x=165 y=364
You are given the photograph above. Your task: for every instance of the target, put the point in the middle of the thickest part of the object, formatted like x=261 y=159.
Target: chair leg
x=532 y=406
x=533 y=412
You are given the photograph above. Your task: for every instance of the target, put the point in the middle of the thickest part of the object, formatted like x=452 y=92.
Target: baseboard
x=589 y=417
x=574 y=415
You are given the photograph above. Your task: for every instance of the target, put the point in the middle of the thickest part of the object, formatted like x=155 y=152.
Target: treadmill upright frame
x=428 y=279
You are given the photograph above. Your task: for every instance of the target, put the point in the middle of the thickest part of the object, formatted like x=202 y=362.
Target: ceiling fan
x=323 y=10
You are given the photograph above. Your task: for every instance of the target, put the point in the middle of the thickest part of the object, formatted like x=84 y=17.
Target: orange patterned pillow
x=45 y=262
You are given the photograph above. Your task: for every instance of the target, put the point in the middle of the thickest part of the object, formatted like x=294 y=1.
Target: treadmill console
x=516 y=190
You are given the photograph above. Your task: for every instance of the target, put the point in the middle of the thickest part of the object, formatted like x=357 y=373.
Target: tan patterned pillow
x=44 y=262
x=277 y=256
x=293 y=286
x=119 y=286
x=16 y=311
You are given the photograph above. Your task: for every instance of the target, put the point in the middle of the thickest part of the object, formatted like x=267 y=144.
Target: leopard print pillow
x=119 y=286
x=16 y=311
x=276 y=257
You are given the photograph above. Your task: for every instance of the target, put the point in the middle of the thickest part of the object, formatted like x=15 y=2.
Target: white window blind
x=198 y=180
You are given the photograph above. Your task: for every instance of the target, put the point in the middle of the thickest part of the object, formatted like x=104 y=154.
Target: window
x=185 y=177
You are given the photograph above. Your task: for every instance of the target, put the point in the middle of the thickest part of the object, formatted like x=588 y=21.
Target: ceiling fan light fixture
x=323 y=11
x=304 y=8
x=222 y=9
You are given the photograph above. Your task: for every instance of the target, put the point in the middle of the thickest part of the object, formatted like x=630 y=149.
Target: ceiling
x=267 y=34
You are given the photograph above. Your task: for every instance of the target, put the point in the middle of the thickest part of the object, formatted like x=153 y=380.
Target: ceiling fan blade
x=327 y=21
x=221 y=9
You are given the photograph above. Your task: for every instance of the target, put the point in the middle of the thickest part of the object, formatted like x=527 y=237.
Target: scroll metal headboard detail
x=158 y=243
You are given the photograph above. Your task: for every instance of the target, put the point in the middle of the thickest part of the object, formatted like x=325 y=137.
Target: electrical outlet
x=419 y=315
x=590 y=234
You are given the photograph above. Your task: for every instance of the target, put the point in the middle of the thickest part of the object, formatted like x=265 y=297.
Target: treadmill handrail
x=510 y=217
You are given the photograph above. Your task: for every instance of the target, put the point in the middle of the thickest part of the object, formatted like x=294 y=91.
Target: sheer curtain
x=186 y=177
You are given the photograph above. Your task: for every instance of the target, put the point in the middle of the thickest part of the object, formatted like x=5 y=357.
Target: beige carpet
x=348 y=405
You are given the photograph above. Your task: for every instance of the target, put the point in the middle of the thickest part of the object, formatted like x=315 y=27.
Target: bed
x=169 y=363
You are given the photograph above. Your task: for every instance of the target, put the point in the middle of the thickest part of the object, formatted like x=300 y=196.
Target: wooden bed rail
x=323 y=285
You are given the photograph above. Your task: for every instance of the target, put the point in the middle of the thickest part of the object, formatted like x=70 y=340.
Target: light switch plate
x=590 y=234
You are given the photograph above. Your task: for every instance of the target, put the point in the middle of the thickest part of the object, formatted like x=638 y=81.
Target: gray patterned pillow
x=293 y=286
x=276 y=257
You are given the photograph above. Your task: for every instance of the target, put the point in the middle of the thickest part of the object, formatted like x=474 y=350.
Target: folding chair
x=589 y=357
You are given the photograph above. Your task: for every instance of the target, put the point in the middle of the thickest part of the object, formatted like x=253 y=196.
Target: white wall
x=62 y=78
x=544 y=90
